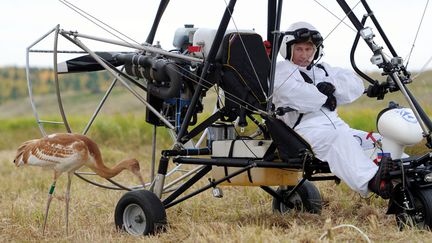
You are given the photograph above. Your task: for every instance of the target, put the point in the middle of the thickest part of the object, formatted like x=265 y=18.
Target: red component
x=267 y=46
x=371 y=137
x=194 y=48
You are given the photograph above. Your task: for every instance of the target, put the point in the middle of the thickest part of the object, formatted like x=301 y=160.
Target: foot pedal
x=217 y=192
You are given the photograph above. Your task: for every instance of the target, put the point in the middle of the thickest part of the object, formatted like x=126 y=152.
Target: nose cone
x=401 y=126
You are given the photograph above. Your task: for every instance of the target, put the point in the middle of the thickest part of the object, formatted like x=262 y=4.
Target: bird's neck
x=107 y=172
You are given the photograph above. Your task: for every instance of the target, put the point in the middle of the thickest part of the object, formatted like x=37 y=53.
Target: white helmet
x=300 y=32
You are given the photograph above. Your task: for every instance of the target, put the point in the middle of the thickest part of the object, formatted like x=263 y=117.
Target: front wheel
x=420 y=215
x=307 y=198
x=140 y=213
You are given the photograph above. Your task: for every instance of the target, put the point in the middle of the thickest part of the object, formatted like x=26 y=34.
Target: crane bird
x=66 y=152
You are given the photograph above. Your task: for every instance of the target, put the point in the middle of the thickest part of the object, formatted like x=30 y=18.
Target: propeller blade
x=87 y=63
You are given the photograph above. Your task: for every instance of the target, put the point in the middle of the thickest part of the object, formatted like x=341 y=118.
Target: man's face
x=303 y=53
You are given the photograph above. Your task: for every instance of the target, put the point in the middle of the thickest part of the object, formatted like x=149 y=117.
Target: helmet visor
x=303 y=35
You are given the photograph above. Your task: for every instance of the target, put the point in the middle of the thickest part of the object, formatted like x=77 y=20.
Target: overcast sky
x=23 y=21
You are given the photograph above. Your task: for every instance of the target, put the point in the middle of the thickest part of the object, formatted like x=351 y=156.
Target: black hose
x=173 y=76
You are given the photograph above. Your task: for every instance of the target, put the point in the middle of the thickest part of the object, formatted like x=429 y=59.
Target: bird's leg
x=67 y=201
x=50 y=194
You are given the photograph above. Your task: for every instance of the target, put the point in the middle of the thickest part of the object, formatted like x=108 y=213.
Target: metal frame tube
x=161 y=9
x=274 y=53
x=378 y=26
x=186 y=185
x=153 y=159
x=134 y=46
x=352 y=55
x=169 y=202
x=239 y=162
x=271 y=16
x=79 y=44
x=274 y=194
x=124 y=82
x=191 y=172
x=411 y=103
x=29 y=82
x=210 y=59
x=356 y=22
x=57 y=85
x=101 y=103
x=278 y=14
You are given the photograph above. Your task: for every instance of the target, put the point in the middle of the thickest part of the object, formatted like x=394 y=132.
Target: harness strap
x=322 y=67
x=230 y=154
x=298 y=120
x=306 y=77
x=249 y=175
x=269 y=154
x=308 y=80
x=203 y=125
x=226 y=173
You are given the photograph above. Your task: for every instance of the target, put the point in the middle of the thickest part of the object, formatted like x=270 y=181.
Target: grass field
x=244 y=214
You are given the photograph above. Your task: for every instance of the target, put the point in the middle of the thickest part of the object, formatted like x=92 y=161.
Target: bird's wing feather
x=23 y=148
x=61 y=152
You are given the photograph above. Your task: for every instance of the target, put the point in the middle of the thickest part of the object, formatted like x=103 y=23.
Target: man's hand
x=377 y=90
x=328 y=89
x=331 y=103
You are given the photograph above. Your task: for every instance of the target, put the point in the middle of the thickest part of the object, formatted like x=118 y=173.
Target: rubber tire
x=307 y=198
x=421 y=216
x=151 y=206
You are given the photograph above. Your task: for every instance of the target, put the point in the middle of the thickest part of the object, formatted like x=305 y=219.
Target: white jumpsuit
x=329 y=136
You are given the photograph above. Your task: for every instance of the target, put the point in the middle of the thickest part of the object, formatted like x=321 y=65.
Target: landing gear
x=419 y=214
x=307 y=198
x=140 y=213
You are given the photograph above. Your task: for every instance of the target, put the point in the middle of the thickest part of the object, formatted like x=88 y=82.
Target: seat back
x=289 y=144
x=244 y=73
x=244 y=80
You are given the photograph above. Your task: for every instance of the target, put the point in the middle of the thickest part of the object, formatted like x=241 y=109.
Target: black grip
x=280 y=111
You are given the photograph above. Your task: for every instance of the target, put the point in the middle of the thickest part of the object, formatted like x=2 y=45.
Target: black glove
x=331 y=102
x=328 y=89
x=377 y=90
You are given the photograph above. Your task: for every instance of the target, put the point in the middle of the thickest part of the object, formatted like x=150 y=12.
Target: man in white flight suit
x=314 y=91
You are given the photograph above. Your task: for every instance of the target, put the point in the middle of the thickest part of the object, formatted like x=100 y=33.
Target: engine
x=170 y=83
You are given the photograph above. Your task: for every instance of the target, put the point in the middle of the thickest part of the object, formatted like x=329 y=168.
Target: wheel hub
x=134 y=219
x=139 y=219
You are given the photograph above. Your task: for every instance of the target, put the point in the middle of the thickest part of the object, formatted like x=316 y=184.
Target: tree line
x=13 y=82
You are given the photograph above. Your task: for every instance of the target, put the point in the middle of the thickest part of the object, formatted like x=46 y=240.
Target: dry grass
x=243 y=215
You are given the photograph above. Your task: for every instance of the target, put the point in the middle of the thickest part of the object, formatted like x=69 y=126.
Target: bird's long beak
x=141 y=180
x=18 y=163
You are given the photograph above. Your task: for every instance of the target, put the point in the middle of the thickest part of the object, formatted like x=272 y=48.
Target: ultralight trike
x=239 y=66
